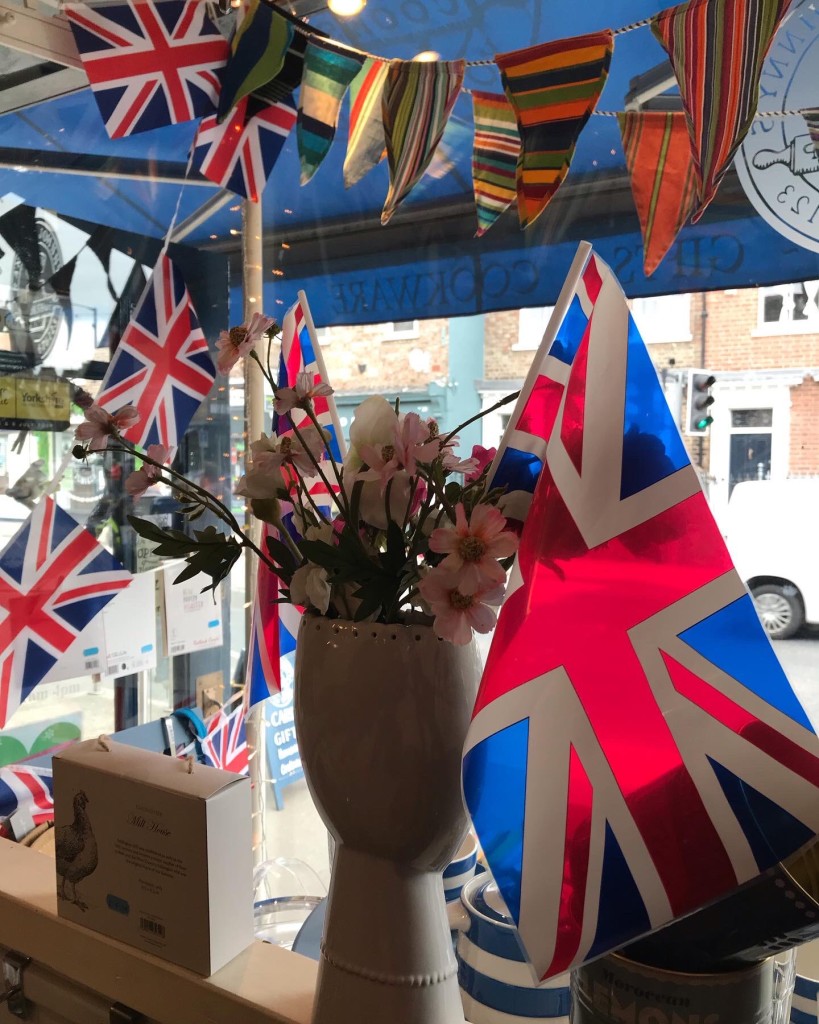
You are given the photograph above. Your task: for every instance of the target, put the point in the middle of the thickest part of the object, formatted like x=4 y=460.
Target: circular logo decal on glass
x=35 y=311
x=777 y=163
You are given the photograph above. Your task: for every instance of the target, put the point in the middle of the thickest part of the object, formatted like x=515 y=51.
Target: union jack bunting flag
x=26 y=790
x=54 y=578
x=520 y=454
x=636 y=750
x=240 y=153
x=149 y=64
x=161 y=365
x=225 y=743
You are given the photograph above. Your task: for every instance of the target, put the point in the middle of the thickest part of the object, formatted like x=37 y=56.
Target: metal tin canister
x=774 y=912
x=614 y=990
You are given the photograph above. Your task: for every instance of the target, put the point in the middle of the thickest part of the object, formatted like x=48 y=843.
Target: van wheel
x=779 y=609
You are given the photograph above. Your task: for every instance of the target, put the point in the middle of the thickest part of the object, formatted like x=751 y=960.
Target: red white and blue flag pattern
x=274 y=629
x=636 y=750
x=54 y=579
x=28 y=791
x=240 y=153
x=149 y=64
x=161 y=365
x=224 y=745
x=520 y=455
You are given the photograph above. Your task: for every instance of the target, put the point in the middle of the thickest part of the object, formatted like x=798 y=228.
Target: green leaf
x=322 y=554
x=282 y=555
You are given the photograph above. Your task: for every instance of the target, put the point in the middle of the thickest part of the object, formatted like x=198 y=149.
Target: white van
x=772 y=531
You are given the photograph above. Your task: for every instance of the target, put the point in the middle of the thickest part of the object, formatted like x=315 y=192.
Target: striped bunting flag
x=494 y=157
x=418 y=99
x=257 y=54
x=328 y=71
x=812 y=121
x=658 y=157
x=553 y=89
x=717 y=48
x=365 y=140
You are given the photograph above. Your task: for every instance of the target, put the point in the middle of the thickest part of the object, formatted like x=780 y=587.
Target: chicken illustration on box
x=76 y=850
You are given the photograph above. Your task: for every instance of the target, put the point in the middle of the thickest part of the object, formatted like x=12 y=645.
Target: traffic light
x=698 y=417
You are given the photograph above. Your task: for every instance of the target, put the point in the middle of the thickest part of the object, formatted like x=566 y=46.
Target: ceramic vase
x=381 y=716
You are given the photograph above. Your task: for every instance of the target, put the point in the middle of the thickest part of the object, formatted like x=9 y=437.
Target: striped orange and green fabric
x=328 y=71
x=494 y=157
x=658 y=158
x=418 y=99
x=717 y=48
x=365 y=139
x=553 y=89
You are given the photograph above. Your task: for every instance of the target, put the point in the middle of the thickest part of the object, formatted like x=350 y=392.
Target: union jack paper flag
x=240 y=153
x=273 y=634
x=149 y=64
x=225 y=743
x=161 y=365
x=636 y=750
x=28 y=791
x=54 y=578
x=300 y=355
x=273 y=637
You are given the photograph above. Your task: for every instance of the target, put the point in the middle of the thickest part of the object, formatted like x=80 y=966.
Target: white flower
x=403 y=490
x=374 y=424
x=310 y=585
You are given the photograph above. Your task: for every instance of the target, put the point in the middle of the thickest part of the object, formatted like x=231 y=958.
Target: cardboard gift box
x=154 y=855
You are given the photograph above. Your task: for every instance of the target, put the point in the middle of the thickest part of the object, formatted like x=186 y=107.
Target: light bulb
x=427 y=56
x=346 y=8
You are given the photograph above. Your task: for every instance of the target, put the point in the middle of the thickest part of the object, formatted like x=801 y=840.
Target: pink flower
x=482 y=458
x=473 y=548
x=410 y=444
x=238 y=342
x=307 y=388
x=141 y=479
x=99 y=425
x=271 y=453
x=457 y=614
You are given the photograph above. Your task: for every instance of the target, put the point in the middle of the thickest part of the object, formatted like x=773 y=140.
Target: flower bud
x=267 y=510
x=78 y=451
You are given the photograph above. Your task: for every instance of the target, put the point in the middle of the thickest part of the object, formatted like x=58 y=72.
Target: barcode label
x=92 y=664
x=154 y=927
x=176 y=648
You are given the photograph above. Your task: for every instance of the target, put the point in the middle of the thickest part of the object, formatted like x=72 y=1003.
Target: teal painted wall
x=466 y=341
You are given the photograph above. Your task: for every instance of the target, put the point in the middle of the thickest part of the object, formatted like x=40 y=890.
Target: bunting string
x=524 y=137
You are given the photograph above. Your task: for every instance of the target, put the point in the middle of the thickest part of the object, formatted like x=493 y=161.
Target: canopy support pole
x=252 y=288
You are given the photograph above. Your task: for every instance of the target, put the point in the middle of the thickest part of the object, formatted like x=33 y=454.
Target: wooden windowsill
x=263 y=985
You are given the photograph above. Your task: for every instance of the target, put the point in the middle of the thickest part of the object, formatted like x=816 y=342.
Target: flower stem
x=300 y=438
x=480 y=415
x=210 y=502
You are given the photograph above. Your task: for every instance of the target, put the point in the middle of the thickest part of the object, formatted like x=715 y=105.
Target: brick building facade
x=762 y=345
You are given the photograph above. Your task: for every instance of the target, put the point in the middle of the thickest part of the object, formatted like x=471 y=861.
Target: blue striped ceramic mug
x=496 y=983
x=461 y=868
x=806 y=985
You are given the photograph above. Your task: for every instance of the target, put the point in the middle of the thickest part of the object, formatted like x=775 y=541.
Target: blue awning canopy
x=426 y=262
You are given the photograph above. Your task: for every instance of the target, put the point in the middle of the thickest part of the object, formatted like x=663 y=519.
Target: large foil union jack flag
x=161 y=364
x=149 y=64
x=54 y=578
x=636 y=750
x=240 y=153
x=225 y=743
